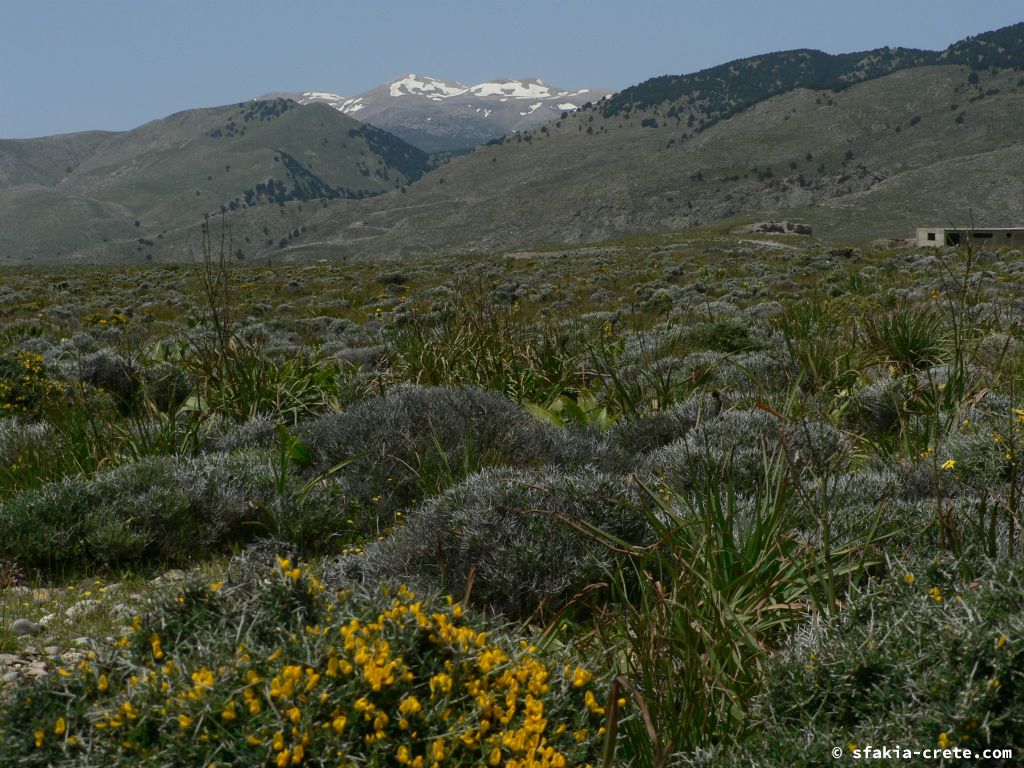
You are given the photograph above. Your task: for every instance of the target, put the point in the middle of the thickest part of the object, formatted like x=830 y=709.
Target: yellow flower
x=936 y=594
x=294 y=714
x=909 y=578
x=102 y=684
x=437 y=750
x=60 y=727
x=580 y=677
x=410 y=706
x=1000 y=641
x=283 y=758
x=440 y=682
x=40 y=736
x=184 y=721
x=215 y=586
x=949 y=464
x=944 y=740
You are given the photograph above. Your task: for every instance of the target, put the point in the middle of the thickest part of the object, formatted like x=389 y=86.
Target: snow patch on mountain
x=516 y=89
x=322 y=96
x=432 y=88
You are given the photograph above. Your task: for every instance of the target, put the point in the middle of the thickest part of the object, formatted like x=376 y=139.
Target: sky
x=73 y=65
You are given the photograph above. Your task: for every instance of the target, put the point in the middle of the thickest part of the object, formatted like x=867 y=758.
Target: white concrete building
x=987 y=237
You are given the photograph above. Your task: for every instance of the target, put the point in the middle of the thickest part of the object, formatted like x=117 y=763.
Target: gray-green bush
x=415 y=441
x=166 y=509
x=522 y=538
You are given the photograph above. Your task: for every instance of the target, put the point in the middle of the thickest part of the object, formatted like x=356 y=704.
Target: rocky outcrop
x=780 y=227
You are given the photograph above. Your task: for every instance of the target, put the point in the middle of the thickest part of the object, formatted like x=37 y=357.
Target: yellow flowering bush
x=105 y=319
x=25 y=386
x=286 y=674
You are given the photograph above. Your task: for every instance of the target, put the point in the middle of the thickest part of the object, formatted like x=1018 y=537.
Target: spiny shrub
x=256 y=562
x=659 y=428
x=415 y=441
x=880 y=406
x=112 y=372
x=736 y=440
x=228 y=435
x=519 y=540
x=167 y=386
x=166 y=509
x=921 y=477
x=979 y=458
x=284 y=675
x=814 y=445
x=762 y=371
x=952 y=674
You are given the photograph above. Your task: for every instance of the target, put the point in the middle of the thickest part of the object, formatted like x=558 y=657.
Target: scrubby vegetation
x=668 y=502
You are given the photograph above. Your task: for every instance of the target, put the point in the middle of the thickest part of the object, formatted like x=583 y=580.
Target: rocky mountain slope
x=443 y=115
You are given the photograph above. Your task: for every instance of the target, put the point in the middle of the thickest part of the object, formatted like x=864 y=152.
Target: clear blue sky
x=70 y=65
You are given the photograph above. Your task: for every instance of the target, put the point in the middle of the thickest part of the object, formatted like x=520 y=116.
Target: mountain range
x=859 y=146
x=447 y=116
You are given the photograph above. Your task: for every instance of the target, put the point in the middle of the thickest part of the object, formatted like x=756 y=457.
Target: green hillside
x=48 y=160
x=702 y=98
x=65 y=194
x=705 y=97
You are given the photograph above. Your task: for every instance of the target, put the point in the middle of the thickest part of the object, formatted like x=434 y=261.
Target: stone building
x=990 y=237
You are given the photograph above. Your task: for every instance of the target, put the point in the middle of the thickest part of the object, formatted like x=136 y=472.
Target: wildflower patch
x=287 y=674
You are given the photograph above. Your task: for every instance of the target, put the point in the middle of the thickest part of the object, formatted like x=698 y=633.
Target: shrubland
x=653 y=503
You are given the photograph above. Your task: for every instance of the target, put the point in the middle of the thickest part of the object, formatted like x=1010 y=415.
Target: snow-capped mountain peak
x=440 y=114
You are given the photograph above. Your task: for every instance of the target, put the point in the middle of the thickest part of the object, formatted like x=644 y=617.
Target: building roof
x=976 y=229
